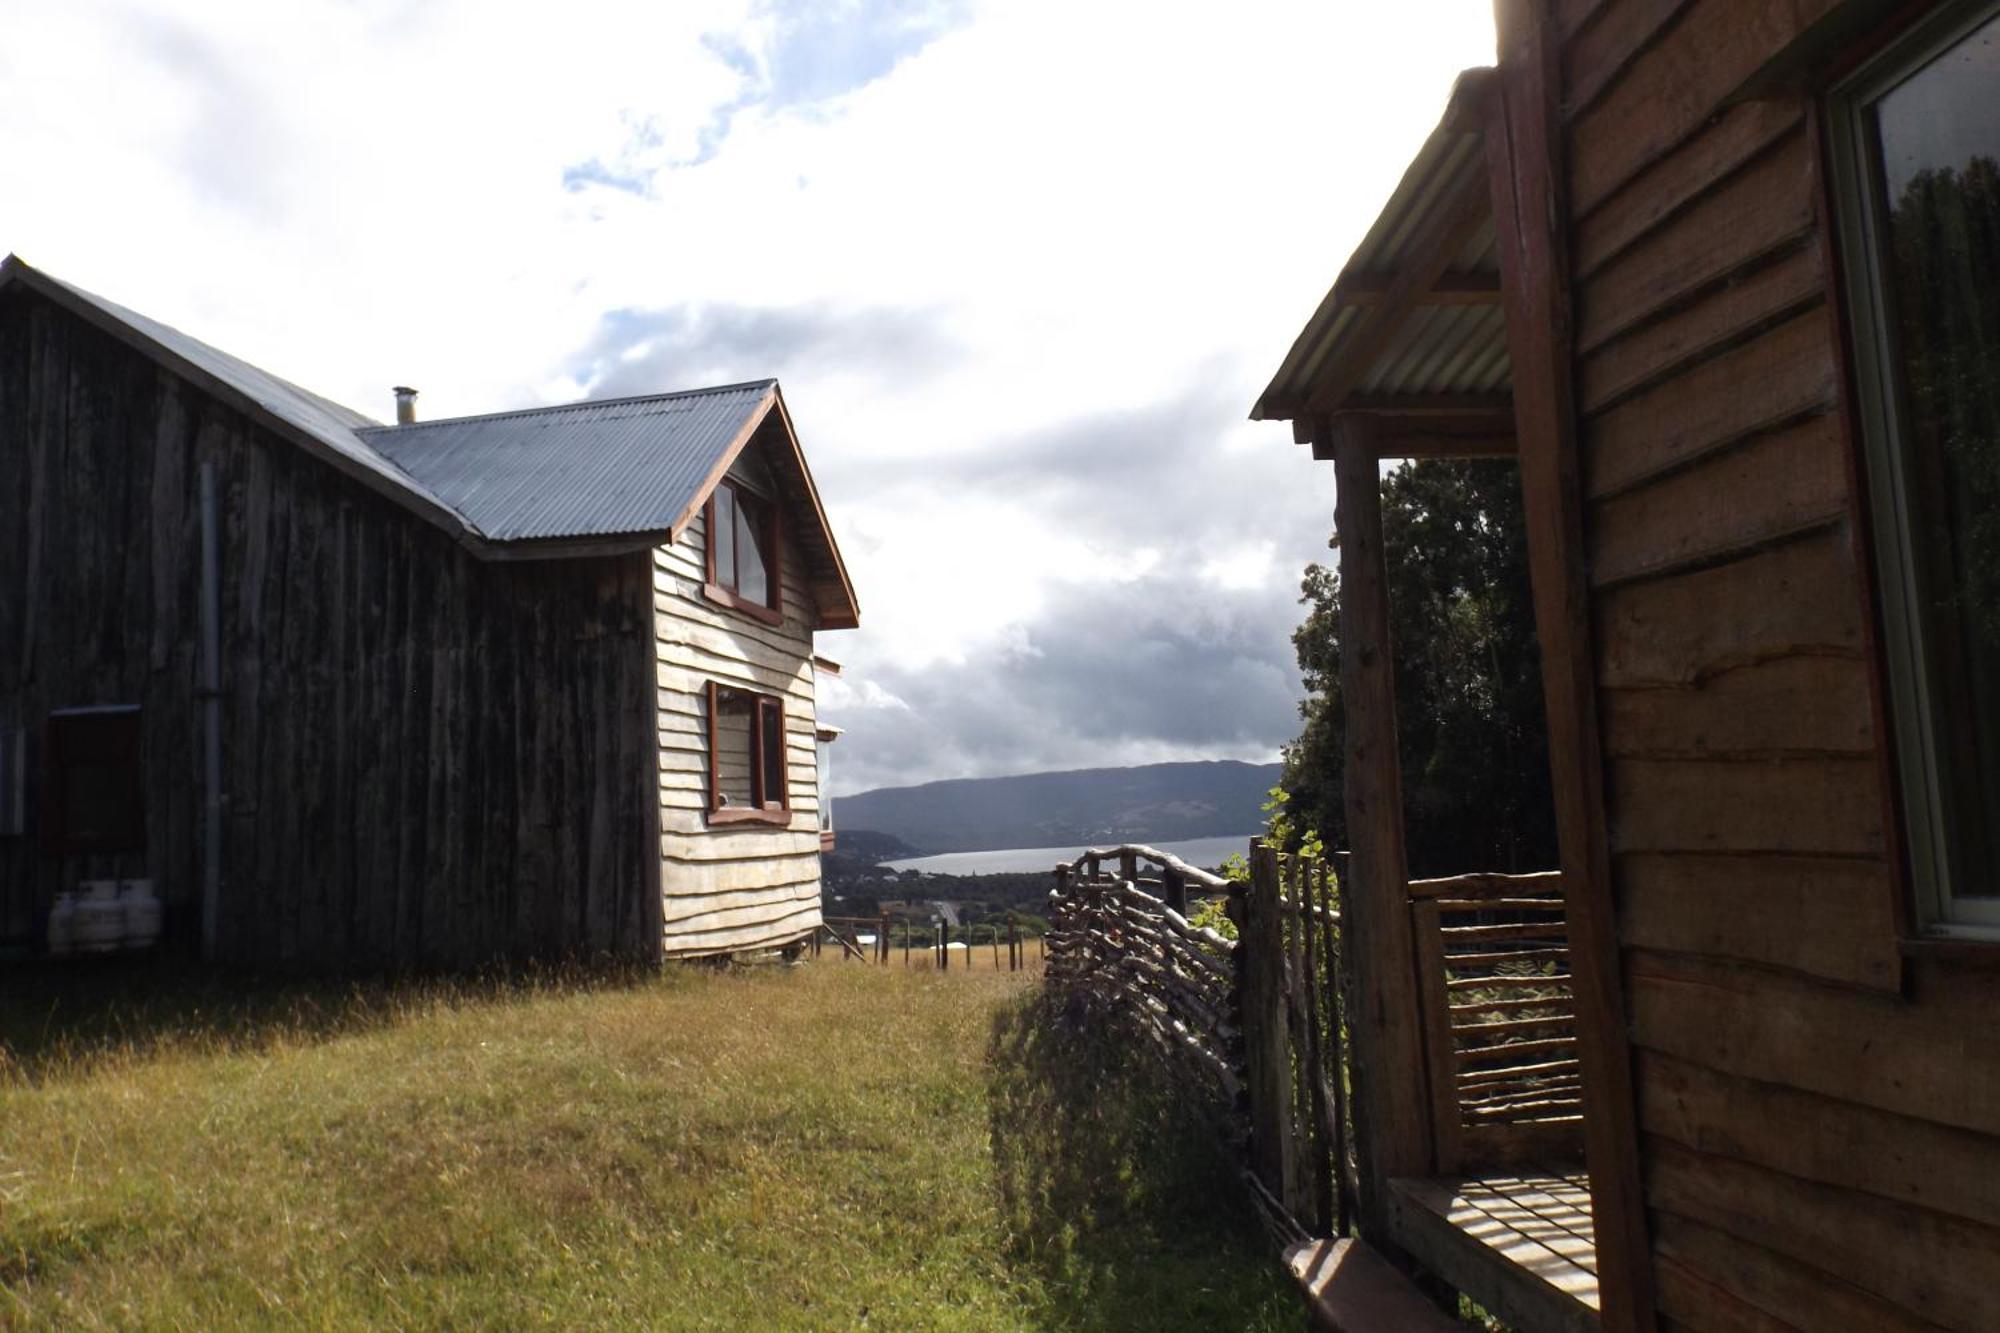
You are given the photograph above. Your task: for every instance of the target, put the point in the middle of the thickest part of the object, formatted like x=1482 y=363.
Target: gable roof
x=582 y=478
x=1448 y=339
x=601 y=468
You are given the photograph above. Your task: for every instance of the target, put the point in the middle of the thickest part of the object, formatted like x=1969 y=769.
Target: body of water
x=1202 y=853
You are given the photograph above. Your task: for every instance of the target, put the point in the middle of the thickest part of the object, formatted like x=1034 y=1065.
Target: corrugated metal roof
x=1439 y=349
x=587 y=469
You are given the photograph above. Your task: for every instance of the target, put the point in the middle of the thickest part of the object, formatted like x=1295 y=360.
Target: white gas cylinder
x=62 y=925
x=99 y=922
x=142 y=913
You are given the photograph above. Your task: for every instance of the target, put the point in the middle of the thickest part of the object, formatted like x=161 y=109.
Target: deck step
x=1352 y=1289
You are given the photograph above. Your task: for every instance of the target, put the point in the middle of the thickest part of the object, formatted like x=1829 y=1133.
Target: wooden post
x=944 y=953
x=1267 y=1049
x=1392 y=1129
x=882 y=935
x=1336 y=1057
x=1173 y=888
x=906 y=941
x=995 y=928
x=1524 y=153
x=1314 y=972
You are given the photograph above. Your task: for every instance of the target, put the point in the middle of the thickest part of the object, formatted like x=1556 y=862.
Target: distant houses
x=354 y=695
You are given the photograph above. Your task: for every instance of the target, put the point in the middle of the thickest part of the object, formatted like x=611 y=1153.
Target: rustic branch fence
x=1259 y=1017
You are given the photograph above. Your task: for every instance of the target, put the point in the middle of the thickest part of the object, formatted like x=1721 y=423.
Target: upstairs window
x=746 y=757
x=1916 y=137
x=743 y=551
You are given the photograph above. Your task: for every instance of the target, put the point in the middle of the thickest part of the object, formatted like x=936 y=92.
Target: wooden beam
x=1391 y=1096
x=1524 y=159
x=1368 y=288
x=1443 y=235
x=1416 y=435
x=1435 y=406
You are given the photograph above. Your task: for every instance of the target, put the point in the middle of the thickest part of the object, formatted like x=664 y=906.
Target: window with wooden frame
x=1915 y=137
x=743 y=552
x=94 y=793
x=746 y=757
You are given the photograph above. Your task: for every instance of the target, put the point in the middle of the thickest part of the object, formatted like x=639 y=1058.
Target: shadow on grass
x=60 y=1020
x=1119 y=1189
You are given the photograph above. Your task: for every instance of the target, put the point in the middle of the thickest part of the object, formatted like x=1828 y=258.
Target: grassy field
x=830 y=1146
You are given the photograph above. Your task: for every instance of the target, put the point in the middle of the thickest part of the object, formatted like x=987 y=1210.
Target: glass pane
x=1939 y=140
x=724 y=537
x=752 y=580
x=774 y=753
x=733 y=772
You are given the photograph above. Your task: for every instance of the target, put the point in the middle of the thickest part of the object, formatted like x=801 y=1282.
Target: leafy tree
x=1468 y=677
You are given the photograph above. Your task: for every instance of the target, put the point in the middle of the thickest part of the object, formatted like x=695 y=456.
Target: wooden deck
x=1521 y=1243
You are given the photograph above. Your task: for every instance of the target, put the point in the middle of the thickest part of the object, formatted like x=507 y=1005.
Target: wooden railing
x=1499 y=1018
x=1258 y=1016
x=846 y=931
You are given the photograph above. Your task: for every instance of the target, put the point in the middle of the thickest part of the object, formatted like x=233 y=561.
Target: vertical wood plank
x=1427 y=922
x=1391 y=1101
x=1524 y=157
x=1260 y=963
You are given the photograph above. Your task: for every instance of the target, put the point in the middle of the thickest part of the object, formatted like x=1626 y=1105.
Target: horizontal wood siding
x=731 y=887
x=428 y=760
x=1821 y=1118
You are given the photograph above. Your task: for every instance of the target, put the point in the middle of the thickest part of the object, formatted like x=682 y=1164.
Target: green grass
x=831 y=1146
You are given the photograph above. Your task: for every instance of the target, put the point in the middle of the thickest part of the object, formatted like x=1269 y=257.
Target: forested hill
x=1154 y=803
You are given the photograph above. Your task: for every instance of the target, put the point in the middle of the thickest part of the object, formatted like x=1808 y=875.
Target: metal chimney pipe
x=406 y=405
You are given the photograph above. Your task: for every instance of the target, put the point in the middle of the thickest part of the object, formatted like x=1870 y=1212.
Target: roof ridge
x=766 y=383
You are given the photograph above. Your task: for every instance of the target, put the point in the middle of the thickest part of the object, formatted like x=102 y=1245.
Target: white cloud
x=1091 y=208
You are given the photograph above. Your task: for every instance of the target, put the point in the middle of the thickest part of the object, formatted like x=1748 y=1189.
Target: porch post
x=1524 y=159
x=1392 y=1127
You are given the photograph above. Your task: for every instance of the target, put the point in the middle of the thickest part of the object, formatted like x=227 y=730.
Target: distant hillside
x=1155 y=803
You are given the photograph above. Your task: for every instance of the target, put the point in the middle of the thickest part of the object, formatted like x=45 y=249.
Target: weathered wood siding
x=1820 y=1121
x=428 y=760
x=733 y=886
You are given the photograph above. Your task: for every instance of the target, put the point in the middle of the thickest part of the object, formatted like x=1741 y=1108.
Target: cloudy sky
x=1021 y=265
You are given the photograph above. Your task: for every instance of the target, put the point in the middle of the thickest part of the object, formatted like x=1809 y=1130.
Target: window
x=94 y=796
x=746 y=757
x=1916 y=138
x=743 y=551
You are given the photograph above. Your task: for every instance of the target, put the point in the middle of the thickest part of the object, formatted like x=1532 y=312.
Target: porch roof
x=1412 y=334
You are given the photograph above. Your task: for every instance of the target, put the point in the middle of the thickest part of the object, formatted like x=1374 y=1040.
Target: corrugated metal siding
x=588 y=469
x=1440 y=349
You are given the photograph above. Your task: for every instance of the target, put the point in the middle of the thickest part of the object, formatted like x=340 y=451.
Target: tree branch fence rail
x=1257 y=1017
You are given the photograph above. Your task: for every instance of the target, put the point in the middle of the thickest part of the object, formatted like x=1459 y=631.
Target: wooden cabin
x=354 y=695
x=1723 y=277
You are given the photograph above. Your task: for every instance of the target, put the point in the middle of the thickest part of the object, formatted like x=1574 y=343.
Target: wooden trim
x=761 y=810
x=1391 y=1097
x=722 y=596
x=1861 y=534
x=746 y=815
x=772 y=610
x=1525 y=160
x=826 y=840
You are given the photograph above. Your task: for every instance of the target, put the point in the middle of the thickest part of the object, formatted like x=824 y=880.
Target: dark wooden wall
x=1819 y=1117
x=430 y=760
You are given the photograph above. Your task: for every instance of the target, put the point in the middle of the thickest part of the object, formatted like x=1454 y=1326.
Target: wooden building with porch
x=1724 y=279
x=355 y=695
